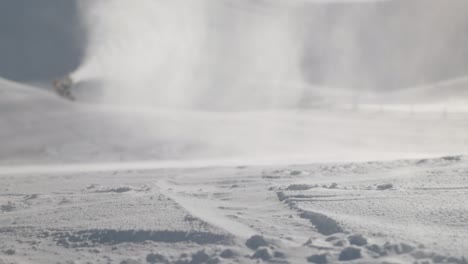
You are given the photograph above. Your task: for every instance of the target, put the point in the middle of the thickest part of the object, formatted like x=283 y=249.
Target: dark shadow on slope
x=39 y=40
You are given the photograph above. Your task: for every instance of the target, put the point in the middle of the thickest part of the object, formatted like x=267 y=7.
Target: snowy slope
x=40 y=128
x=94 y=183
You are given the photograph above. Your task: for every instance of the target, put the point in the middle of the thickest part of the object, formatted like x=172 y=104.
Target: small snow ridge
x=7 y=207
x=324 y=224
x=262 y=253
x=255 y=242
x=358 y=240
x=156 y=258
x=318 y=259
x=300 y=187
x=385 y=186
x=350 y=253
x=443 y=160
x=119 y=189
x=111 y=237
x=115 y=190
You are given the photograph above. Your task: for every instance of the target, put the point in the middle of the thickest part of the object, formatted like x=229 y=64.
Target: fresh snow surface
x=104 y=184
x=404 y=211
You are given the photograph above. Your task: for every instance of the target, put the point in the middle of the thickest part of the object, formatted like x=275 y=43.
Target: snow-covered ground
x=301 y=211
x=83 y=183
